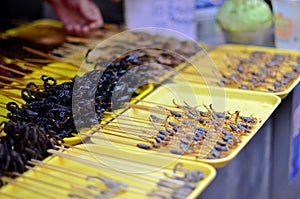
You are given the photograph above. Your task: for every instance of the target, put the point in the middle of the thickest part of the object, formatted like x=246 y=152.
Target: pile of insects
x=260 y=70
x=130 y=41
x=186 y=130
x=182 y=130
x=47 y=116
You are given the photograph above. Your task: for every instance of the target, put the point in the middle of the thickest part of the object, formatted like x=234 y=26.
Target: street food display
x=83 y=128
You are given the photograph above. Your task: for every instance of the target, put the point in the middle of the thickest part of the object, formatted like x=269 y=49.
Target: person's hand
x=79 y=17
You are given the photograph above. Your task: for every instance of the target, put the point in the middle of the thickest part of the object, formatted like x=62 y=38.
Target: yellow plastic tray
x=154 y=167
x=218 y=60
x=256 y=104
x=25 y=27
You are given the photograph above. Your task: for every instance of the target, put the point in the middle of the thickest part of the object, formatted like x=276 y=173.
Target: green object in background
x=244 y=15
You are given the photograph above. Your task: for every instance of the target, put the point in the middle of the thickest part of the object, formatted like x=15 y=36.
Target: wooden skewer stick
x=12 y=70
x=4 y=107
x=118 y=158
x=9 y=195
x=112 y=139
x=118 y=125
x=78 y=173
x=143 y=107
x=123 y=130
x=106 y=139
x=115 y=160
x=42 y=54
x=53 y=176
x=33 y=188
x=11 y=86
x=124 y=162
x=68 y=171
x=45 y=69
x=51 y=57
x=56 y=186
x=9 y=94
x=61 y=169
x=43 y=61
x=13 y=80
x=5 y=117
x=125 y=117
x=96 y=164
x=156 y=103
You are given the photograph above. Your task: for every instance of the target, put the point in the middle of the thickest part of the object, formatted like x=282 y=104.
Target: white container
x=287 y=23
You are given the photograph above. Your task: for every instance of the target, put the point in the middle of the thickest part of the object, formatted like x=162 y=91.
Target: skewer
x=79 y=185
x=13 y=70
x=143 y=107
x=40 y=53
x=68 y=171
x=124 y=117
x=44 y=68
x=168 y=186
x=56 y=186
x=9 y=195
x=53 y=176
x=18 y=184
x=10 y=95
x=122 y=161
x=13 y=80
x=41 y=61
x=111 y=139
x=145 y=178
x=95 y=164
x=80 y=174
x=3 y=116
x=58 y=168
x=103 y=138
x=126 y=162
x=11 y=86
x=4 y=107
x=112 y=157
x=118 y=125
x=123 y=130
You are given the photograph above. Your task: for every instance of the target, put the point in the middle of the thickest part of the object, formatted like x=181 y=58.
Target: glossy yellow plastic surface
x=256 y=104
x=212 y=66
x=18 y=30
x=140 y=172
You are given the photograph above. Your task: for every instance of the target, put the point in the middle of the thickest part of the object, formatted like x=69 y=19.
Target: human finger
x=89 y=10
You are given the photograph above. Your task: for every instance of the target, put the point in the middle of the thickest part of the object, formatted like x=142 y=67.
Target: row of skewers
x=180 y=129
x=45 y=117
x=260 y=70
x=86 y=172
x=36 y=127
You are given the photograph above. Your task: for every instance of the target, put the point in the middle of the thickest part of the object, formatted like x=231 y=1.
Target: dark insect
x=144 y=146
